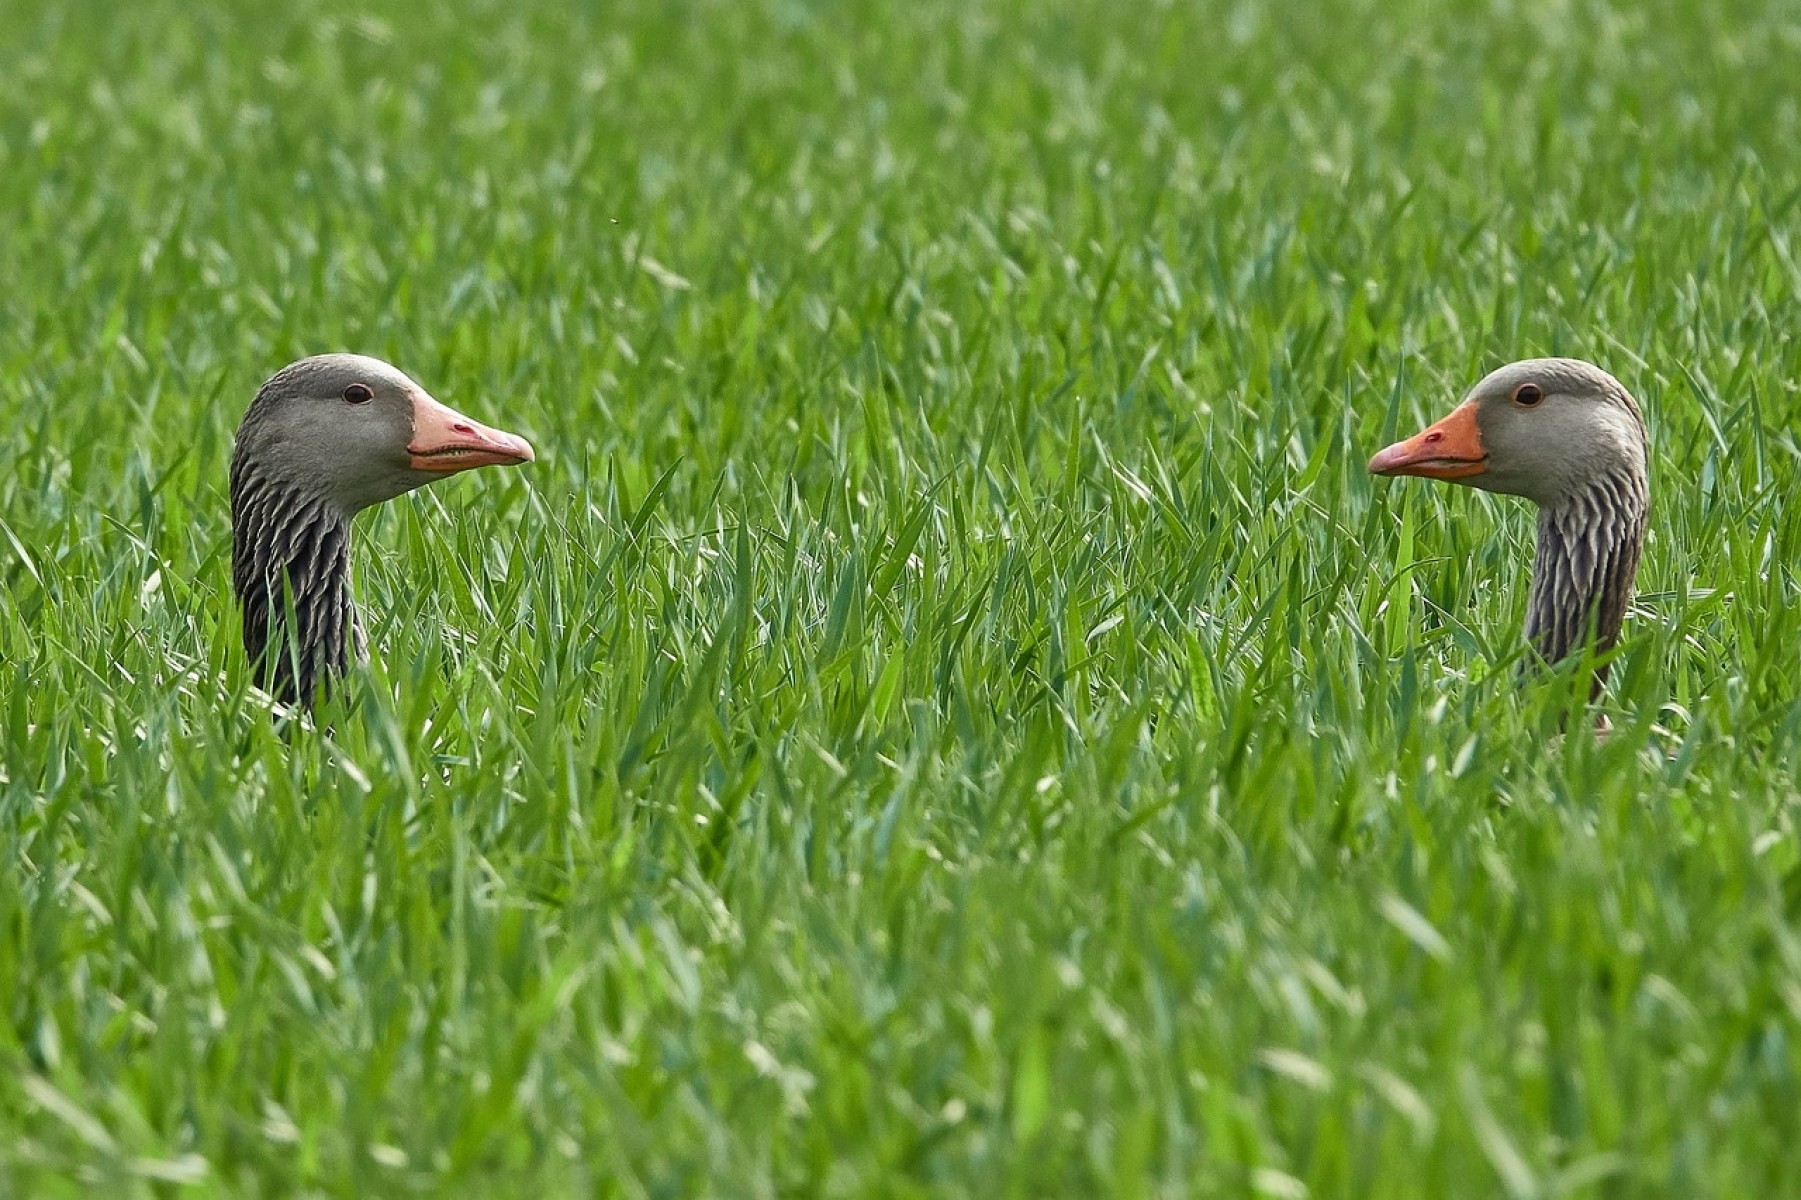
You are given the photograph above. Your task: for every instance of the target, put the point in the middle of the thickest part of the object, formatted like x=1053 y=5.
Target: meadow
x=947 y=713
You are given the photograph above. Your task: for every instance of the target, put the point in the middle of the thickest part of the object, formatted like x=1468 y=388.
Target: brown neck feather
x=1588 y=552
x=290 y=568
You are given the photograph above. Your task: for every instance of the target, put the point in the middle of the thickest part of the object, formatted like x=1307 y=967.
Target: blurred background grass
x=948 y=712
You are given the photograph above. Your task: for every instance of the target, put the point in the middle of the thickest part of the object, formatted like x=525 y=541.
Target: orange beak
x=1450 y=449
x=446 y=441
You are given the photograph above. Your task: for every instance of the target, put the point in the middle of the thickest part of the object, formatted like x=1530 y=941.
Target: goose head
x=354 y=431
x=1544 y=428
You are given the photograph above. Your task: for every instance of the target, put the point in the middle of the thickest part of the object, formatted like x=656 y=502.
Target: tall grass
x=947 y=713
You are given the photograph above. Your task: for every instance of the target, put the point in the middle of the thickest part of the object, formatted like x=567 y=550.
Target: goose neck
x=1588 y=554
x=291 y=573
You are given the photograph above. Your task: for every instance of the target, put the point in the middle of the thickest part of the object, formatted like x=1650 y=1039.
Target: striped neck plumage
x=1588 y=552
x=290 y=558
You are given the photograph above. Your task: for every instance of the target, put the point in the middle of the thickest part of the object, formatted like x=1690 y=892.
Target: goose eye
x=357 y=393
x=1527 y=395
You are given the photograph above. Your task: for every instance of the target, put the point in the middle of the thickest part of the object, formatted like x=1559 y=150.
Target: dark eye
x=357 y=393
x=1527 y=395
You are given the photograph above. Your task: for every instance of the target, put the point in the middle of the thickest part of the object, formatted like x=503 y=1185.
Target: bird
x=323 y=439
x=1566 y=435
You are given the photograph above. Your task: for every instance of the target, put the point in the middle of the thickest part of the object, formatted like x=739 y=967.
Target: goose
x=1567 y=436
x=325 y=438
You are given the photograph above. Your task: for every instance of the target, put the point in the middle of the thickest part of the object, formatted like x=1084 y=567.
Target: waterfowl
x=1566 y=435
x=325 y=438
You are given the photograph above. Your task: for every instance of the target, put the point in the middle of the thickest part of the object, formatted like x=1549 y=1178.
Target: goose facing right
x=325 y=438
x=1566 y=435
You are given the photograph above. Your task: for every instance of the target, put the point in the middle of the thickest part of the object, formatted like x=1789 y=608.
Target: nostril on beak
x=462 y=428
x=1434 y=437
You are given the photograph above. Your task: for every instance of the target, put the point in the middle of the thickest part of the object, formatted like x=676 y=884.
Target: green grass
x=947 y=713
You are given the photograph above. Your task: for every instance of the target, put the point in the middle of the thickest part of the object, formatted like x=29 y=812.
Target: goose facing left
x=1566 y=435
x=325 y=438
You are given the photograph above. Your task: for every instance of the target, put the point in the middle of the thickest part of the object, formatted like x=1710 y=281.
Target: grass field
x=948 y=712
